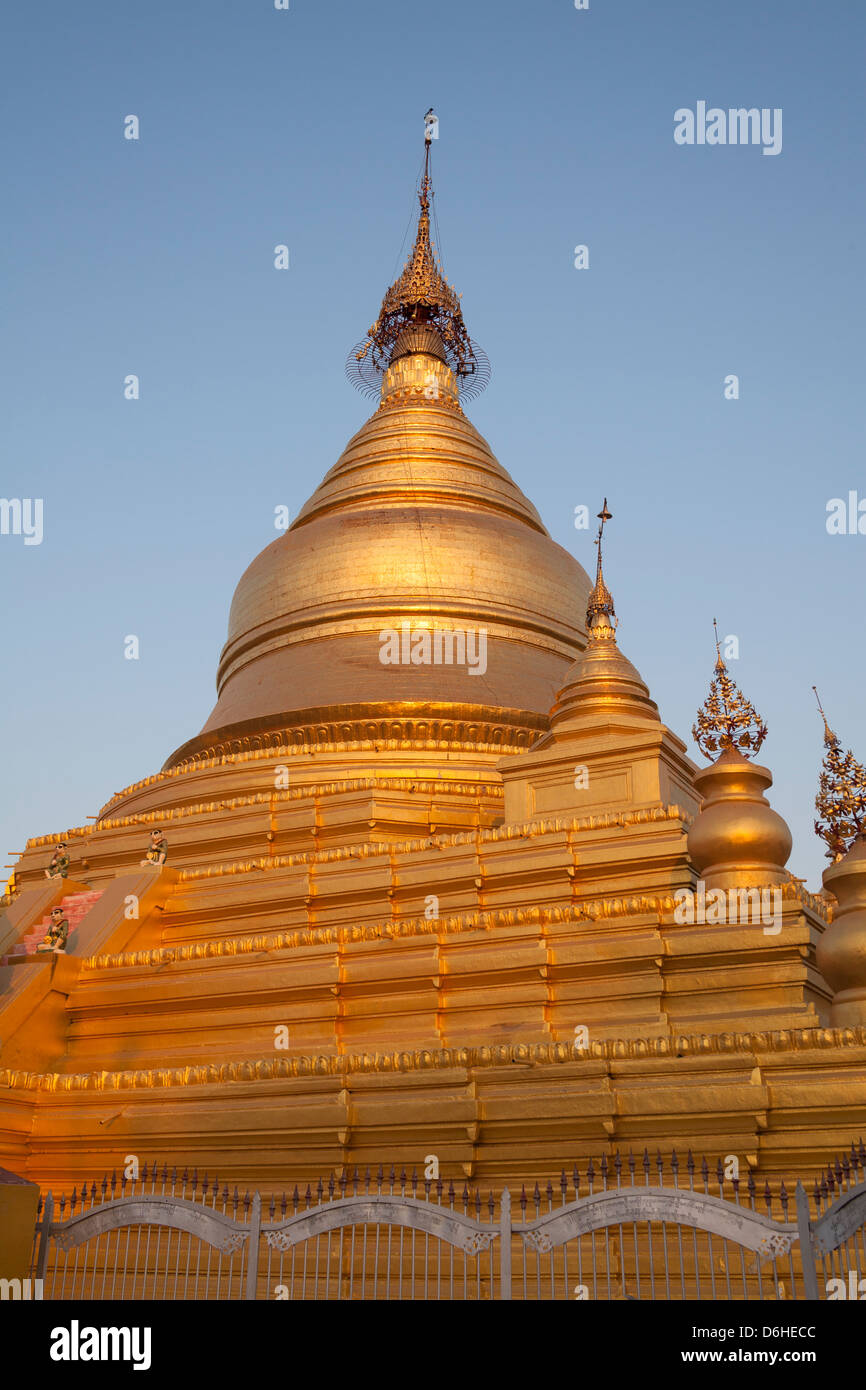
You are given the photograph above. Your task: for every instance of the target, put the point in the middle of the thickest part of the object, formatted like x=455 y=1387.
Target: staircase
x=74 y=908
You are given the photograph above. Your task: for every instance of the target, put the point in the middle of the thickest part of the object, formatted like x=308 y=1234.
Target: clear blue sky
x=261 y=126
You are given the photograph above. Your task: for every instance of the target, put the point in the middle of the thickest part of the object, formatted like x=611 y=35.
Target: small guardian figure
x=59 y=866
x=156 y=854
x=56 y=936
x=431 y=126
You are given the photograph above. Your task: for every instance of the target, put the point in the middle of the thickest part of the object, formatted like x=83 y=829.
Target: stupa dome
x=417 y=529
x=416 y=523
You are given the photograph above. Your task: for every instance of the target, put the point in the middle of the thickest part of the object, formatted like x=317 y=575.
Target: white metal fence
x=626 y=1228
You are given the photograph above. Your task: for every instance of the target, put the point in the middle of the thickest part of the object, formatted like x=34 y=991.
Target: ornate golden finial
x=726 y=719
x=601 y=618
x=420 y=312
x=841 y=799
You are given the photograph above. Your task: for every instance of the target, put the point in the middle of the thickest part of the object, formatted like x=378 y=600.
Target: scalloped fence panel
x=626 y=1227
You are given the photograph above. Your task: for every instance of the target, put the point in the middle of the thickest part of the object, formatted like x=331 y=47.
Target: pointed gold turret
x=738 y=839
x=607 y=745
x=601 y=680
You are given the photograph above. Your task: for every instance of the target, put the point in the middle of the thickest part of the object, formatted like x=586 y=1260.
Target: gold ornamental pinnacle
x=841 y=799
x=601 y=618
x=727 y=719
x=421 y=311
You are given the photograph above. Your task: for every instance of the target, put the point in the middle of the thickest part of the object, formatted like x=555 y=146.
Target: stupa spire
x=737 y=839
x=727 y=719
x=601 y=619
x=841 y=799
x=420 y=312
x=602 y=679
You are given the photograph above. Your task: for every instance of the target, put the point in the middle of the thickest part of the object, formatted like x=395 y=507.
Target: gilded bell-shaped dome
x=417 y=578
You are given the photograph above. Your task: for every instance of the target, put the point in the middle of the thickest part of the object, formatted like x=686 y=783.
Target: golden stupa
x=419 y=906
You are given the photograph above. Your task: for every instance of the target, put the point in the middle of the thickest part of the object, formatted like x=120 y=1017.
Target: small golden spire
x=601 y=621
x=830 y=738
x=726 y=719
x=421 y=299
x=841 y=799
